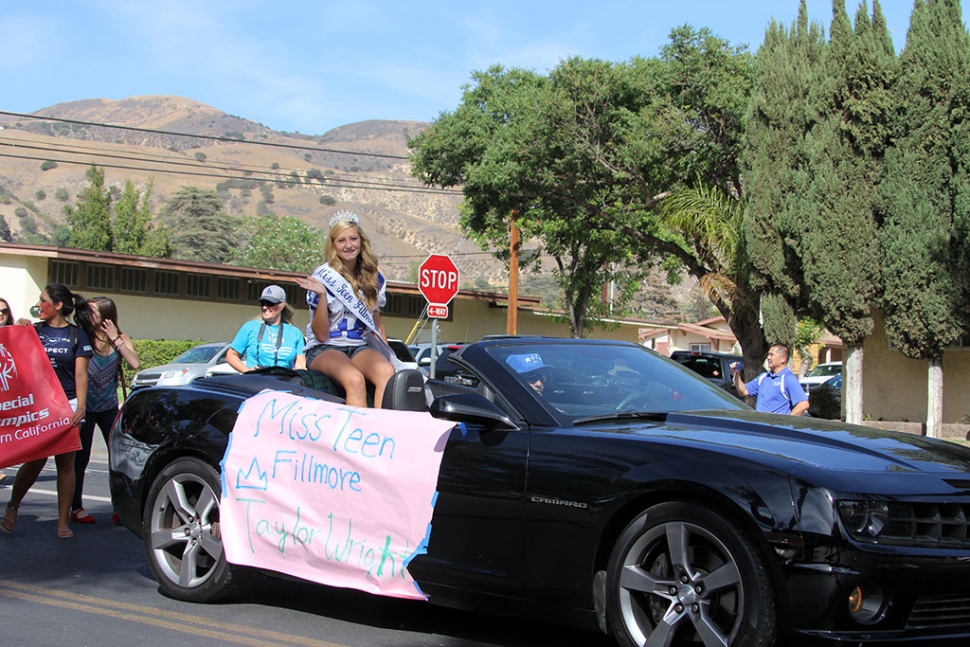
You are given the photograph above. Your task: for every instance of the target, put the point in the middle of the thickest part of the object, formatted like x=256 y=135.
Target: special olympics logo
x=8 y=368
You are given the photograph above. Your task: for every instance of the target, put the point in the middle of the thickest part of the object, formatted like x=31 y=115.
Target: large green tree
x=504 y=146
x=201 y=230
x=280 y=243
x=583 y=158
x=133 y=231
x=926 y=193
x=90 y=219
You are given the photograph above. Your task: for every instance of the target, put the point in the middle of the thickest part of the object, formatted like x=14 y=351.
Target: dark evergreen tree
x=201 y=230
x=844 y=149
x=779 y=115
x=925 y=193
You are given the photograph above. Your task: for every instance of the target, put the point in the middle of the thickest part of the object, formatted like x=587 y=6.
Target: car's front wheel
x=681 y=574
x=182 y=537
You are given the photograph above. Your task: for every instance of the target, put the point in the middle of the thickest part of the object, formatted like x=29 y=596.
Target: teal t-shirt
x=256 y=352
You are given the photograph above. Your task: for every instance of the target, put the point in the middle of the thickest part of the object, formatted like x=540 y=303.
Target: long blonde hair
x=364 y=279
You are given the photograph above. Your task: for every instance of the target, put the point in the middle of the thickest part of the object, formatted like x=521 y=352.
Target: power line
x=208 y=137
x=343 y=184
x=273 y=176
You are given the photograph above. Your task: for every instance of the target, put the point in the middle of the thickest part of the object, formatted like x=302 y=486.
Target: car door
x=476 y=531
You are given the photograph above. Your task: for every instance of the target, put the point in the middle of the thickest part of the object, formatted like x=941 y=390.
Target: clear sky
x=313 y=65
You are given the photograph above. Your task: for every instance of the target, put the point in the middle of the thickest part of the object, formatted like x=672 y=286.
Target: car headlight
x=179 y=372
x=864 y=519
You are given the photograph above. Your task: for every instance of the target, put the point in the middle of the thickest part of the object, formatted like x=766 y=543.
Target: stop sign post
x=438 y=282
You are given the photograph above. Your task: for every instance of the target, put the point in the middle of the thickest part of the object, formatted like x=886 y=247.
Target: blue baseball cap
x=525 y=362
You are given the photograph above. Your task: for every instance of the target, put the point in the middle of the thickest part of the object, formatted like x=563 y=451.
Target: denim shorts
x=349 y=351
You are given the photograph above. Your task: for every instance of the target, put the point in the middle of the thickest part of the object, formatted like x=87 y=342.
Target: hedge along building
x=170 y=299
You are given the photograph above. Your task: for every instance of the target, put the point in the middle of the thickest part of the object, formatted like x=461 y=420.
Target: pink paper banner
x=330 y=493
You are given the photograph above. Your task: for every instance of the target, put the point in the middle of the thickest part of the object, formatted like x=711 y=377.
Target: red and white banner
x=35 y=416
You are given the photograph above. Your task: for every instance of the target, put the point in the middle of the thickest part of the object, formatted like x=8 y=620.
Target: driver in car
x=530 y=368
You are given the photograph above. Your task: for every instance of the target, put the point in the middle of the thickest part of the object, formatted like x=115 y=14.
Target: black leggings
x=102 y=419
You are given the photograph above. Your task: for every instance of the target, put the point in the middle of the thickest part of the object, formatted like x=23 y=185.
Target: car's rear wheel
x=681 y=574
x=182 y=537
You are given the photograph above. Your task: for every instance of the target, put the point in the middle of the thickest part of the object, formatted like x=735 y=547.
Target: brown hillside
x=363 y=167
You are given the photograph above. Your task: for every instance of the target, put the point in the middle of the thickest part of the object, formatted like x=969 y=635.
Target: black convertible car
x=598 y=483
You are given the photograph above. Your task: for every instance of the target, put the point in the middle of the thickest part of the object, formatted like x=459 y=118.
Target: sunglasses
x=267 y=304
x=4 y=311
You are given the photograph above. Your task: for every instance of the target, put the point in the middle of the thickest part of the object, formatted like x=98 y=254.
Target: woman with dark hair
x=69 y=351
x=345 y=296
x=6 y=319
x=100 y=322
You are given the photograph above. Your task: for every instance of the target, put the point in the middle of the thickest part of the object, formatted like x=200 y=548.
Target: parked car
x=449 y=371
x=820 y=374
x=630 y=497
x=190 y=365
x=714 y=367
x=422 y=354
x=825 y=400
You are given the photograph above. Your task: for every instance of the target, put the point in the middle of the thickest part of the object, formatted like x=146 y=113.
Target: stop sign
x=438 y=279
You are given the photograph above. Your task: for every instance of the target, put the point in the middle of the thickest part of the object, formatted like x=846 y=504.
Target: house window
x=228 y=289
x=166 y=283
x=394 y=306
x=198 y=286
x=701 y=348
x=134 y=279
x=66 y=272
x=101 y=277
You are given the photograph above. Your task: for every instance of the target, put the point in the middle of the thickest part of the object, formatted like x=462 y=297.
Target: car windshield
x=825 y=370
x=197 y=355
x=601 y=380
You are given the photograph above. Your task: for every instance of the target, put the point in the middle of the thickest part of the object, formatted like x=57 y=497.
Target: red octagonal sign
x=438 y=279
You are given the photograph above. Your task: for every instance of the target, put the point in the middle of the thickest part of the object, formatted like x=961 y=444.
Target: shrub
x=275 y=166
x=20 y=212
x=40 y=195
x=48 y=165
x=61 y=194
x=327 y=200
x=29 y=225
x=314 y=174
x=200 y=156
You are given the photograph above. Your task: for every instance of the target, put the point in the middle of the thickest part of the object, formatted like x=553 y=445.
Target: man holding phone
x=777 y=389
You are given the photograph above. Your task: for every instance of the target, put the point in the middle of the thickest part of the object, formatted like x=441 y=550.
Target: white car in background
x=191 y=365
x=819 y=375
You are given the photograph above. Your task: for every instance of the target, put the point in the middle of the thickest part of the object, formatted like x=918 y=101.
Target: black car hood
x=824 y=444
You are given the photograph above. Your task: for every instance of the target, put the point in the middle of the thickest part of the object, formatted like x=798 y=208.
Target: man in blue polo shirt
x=777 y=389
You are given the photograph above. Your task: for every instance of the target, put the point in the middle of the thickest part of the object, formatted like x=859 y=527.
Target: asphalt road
x=97 y=589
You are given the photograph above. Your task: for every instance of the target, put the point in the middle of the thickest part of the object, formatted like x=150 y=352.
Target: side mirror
x=473 y=408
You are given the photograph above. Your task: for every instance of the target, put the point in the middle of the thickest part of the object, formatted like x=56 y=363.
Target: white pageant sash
x=340 y=288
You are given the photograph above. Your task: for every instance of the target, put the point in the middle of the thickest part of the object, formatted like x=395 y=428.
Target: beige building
x=172 y=299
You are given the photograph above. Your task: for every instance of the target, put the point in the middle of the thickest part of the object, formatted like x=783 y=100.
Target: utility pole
x=512 y=322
